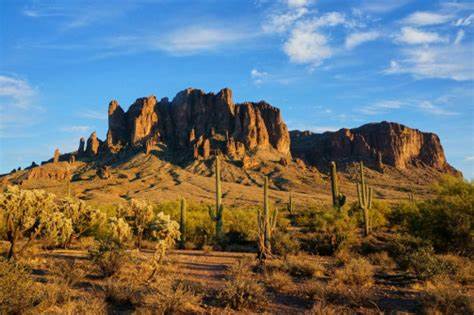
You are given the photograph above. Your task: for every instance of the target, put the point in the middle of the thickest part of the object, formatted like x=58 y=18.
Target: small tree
x=25 y=213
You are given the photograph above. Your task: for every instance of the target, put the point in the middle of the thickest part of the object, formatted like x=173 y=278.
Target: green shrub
x=447 y=220
x=284 y=244
x=379 y=214
x=425 y=264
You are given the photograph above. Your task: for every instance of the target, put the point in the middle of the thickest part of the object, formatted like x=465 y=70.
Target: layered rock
x=93 y=145
x=375 y=144
x=200 y=123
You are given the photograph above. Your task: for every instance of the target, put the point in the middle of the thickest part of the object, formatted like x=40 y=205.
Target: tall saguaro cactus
x=364 y=194
x=291 y=205
x=182 y=223
x=338 y=199
x=216 y=214
x=266 y=225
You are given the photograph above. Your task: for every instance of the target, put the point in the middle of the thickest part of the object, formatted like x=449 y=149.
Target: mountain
x=161 y=149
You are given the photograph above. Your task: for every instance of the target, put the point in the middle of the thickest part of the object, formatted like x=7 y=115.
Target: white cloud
x=329 y=19
x=421 y=18
x=16 y=92
x=465 y=21
x=413 y=36
x=469 y=158
x=76 y=129
x=306 y=46
x=298 y=3
x=281 y=22
x=449 y=62
x=258 y=76
x=355 y=39
x=459 y=37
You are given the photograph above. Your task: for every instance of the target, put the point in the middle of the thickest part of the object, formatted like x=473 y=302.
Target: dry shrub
x=463 y=268
x=383 y=260
x=18 y=292
x=352 y=284
x=108 y=258
x=241 y=290
x=68 y=272
x=301 y=268
x=443 y=296
x=278 y=281
x=123 y=293
x=83 y=306
x=54 y=295
x=207 y=249
x=313 y=290
x=171 y=296
x=322 y=308
x=357 y=272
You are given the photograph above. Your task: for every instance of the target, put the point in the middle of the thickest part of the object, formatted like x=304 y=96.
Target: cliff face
x=199 y=123
x=375 y=144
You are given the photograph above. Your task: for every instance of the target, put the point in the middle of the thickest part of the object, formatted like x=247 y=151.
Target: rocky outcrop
x=375 y=144
x=93 y=144
x=199 y=123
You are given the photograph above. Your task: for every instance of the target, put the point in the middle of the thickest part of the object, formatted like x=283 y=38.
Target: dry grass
x=279 y=281
x=443 y=296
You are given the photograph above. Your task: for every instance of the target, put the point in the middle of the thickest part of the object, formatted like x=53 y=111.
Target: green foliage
x=325 y=229
x=378 y=214
x=284 y=244
x=425 y=264
x=447 y=220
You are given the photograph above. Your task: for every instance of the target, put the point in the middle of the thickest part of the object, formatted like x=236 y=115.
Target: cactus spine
x=364 y=194
x=338 y=199
x=182 y=223
x=266 y=225
x=216 y=214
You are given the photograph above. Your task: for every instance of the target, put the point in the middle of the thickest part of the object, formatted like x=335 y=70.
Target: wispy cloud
x=16 y=92
x=459 y=37
x=93 y=114
x=382 y=6
x=446 y=62
x=76 y=129
x=421 y=18
x=431 y=108
x=381 y=107
x=414 y=36
x=355 y=39
x=258 y=77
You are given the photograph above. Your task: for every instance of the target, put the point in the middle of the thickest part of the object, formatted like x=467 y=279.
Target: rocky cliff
x=376 y=144
x=197 y=123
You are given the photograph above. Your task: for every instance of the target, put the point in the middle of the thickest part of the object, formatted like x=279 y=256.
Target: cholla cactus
x=58 y=228
x=24 y=214
x=141 y=217
x=119 y=231
x=266 y=225
x=83 y=218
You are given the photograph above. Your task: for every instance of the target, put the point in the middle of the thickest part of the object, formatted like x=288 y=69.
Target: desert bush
x=425 y=264
x=284 y=244
x=68 y=272
x=241 y=289
x=378 y=214
x=174 y=296
x=358 y=272
x=322 y=308
x=382 y=259
x=443 y=296
x=447 y=220
x=119 y=292
x=109 y=257
x=301 y=268
x=325 y=230
x=18 y=292
x=278 y=281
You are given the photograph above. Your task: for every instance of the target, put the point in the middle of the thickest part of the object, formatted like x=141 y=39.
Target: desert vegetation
x=367 y=256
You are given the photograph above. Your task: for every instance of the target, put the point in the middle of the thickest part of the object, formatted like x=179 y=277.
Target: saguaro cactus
x=182 y=223
x=338 y=199
x=290 y=205
x=266 y=225
x=364 y=194
x=216 y=214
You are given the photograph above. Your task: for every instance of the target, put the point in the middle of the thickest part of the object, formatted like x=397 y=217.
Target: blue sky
x=327 y=64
